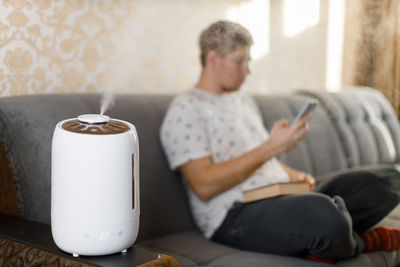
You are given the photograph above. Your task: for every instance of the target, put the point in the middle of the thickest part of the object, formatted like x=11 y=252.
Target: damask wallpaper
x=58 y=46
x=49 y=46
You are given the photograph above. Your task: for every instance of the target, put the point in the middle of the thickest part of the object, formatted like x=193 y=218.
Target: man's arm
x=208 y=179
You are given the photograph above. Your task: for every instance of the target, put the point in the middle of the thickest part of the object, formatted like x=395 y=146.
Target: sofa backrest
x=27 y=124
x=367 y=126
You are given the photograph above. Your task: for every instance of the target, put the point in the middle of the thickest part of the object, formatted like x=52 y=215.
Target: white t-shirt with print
x=200 y=124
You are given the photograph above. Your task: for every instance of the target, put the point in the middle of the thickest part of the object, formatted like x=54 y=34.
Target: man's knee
x=339 y=225
x=336 y=230
x=329 y=215
x=333 y=215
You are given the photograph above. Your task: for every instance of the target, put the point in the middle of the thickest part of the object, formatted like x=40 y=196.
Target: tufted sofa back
x=366 y=124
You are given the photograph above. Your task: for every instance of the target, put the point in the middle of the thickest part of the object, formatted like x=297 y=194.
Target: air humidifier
x=94 y=185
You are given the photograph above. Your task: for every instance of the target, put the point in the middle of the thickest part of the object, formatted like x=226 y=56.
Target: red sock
x=381 y=238
x=313 y=258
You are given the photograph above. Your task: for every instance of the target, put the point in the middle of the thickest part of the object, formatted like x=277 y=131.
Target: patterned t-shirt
x=200 y=124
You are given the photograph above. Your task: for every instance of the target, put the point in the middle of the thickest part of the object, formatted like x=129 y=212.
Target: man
x=214 y=135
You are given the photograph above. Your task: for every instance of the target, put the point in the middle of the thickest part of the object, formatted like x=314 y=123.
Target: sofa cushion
x=247 y=258
x=192 y=248
x=378 y=258
x=190 y=244
x=204 y=252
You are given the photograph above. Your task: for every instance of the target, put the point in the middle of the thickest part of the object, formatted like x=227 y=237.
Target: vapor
x=107 y=101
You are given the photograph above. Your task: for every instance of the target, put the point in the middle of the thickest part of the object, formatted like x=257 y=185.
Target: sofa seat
x=393 y=219
x=192 y=249
x=202 y=252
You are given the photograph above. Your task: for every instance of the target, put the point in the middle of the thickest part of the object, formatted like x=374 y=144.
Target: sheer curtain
x=373 y=38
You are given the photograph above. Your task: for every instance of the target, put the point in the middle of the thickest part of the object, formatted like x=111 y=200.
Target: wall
x=297 y=48
x=151 y=46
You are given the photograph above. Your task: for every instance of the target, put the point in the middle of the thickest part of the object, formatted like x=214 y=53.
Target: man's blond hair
x=223 y=37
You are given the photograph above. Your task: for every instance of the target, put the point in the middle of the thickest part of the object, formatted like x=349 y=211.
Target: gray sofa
x=356 y=128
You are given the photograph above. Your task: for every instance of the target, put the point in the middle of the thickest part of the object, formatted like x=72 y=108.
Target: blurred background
x=150 y=46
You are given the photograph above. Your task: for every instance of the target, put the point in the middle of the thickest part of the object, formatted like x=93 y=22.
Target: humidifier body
x=94 y=185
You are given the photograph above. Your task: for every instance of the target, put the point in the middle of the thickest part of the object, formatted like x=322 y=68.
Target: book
x=274 y=190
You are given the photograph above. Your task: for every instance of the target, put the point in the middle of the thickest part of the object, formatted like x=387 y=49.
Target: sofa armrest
x=32 y=243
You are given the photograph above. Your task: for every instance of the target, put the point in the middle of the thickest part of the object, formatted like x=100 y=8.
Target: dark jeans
x=325 y=223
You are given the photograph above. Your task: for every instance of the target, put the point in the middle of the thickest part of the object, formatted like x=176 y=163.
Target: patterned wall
x=49 y=46
x=58 y=46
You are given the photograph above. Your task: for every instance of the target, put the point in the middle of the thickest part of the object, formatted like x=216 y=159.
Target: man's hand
x=284 y=137
x=299 y=176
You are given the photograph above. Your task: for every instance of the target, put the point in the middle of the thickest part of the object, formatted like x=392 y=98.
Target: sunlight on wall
x=300 y=15
x=254 y=15
x=335 y=45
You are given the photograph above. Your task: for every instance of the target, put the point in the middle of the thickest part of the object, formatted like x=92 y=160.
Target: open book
x=274 y=190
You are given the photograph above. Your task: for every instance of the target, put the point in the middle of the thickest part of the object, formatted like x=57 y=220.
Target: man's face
x=233 y=68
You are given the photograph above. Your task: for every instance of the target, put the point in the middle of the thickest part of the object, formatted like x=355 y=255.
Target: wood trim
x=17 y=254
x=10 y=195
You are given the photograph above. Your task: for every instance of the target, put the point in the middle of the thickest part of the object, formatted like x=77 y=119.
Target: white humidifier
x=94 y=185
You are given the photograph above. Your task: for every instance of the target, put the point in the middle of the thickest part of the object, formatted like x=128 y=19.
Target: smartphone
x=307 y=108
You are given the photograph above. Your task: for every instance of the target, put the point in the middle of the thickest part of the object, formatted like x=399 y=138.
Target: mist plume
x=107 y=101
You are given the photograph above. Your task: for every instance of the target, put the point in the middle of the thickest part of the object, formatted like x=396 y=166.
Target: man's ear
x=211 y=58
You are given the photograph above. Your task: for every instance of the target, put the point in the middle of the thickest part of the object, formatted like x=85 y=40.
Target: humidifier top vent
x=95 y=124
x=93 y=118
